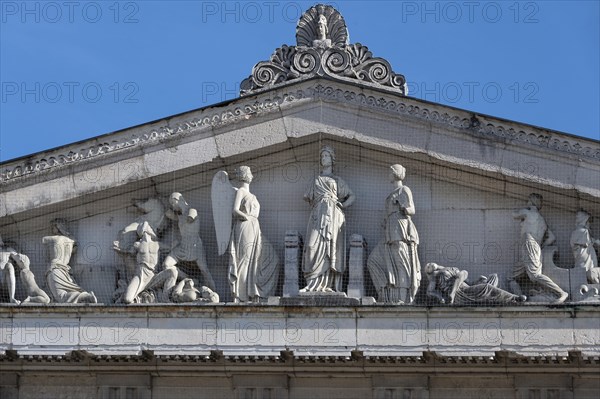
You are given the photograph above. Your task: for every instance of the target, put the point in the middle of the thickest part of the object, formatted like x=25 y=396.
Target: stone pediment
x=154 y=205
x=446 y=151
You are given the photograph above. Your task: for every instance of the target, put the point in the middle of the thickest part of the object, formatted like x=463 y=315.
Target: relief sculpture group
x=153 y=270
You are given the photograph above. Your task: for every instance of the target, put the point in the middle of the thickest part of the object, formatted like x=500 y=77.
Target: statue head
x=430 y=268
x=188 y=283
x=322 y=23
x=59 y=226
x=582 y=218
x=398 y=171
x=177 y=201
x=244 y=174
x=322 y=28
x=327 y=156
x=535 y=200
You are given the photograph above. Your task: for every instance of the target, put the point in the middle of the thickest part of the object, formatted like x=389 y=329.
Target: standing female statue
x=253 y=264
x=394 y=263
x=328 y=195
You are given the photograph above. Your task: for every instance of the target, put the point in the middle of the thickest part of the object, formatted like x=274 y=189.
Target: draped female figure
x=328 y=196
x=394 y=263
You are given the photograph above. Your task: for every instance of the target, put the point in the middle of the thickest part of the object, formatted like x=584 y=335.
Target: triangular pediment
x=324 y=217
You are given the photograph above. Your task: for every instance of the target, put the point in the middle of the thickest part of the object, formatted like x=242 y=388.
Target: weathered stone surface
x=586 y=178
x=357 y=266
x=251 y=137
x=186 y=154
x=292 y=263
x=57 y=386
x=375 y=330
x=316 y=380
x=319 y=299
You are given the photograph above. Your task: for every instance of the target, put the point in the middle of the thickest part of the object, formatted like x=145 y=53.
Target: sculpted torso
x=60 y=248
x=189 y=227
x=147 y=252
x=533 y=223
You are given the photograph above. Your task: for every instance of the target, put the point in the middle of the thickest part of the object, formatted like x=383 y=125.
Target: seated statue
x=448 y=285
x=59 y=279
x=34 y=292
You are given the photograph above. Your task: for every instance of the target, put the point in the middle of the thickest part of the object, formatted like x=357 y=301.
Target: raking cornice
x=241 y=109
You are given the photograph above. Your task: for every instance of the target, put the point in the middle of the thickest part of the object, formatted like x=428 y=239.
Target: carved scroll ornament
x=322 y=50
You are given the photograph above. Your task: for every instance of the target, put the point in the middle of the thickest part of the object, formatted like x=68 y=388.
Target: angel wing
x=223 y=197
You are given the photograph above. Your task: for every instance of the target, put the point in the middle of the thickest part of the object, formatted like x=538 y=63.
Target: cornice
x=247 y=108
x=289 y=358
x=567 y=309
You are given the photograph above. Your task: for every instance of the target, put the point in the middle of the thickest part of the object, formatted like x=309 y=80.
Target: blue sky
x=74 y=70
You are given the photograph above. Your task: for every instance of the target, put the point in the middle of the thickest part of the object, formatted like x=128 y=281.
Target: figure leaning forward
x=146 y=250
x=534 y=236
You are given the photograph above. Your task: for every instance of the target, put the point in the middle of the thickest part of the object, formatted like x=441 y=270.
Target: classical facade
x=323 y=235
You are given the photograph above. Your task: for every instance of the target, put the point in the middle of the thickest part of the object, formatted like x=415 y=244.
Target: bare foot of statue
x=563 y=297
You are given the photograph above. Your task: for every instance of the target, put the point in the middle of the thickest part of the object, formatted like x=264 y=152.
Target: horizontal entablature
x=369 y=332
